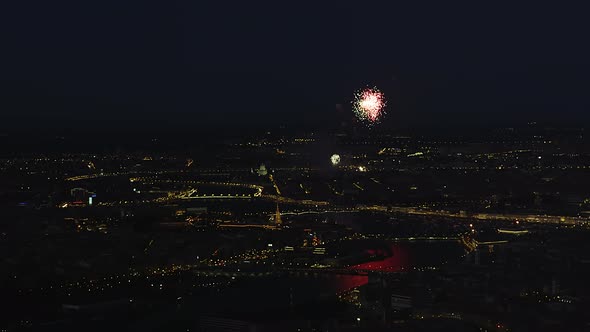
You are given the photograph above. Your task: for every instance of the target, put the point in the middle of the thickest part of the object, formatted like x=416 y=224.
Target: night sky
x=181 y=65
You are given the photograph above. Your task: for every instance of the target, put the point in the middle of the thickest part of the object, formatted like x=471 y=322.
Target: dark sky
x=142 y=64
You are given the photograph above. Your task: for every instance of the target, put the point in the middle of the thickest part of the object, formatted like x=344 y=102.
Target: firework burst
x=369 y=105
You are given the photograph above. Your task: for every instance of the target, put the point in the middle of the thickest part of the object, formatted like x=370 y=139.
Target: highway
x=153 y=177
x=531 y=218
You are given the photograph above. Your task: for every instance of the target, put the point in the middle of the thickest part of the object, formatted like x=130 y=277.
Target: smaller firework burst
x=369 y=105
x=335 y=159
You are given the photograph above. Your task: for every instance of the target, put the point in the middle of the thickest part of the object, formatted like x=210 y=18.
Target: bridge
x=307 y=272
x=472 y=244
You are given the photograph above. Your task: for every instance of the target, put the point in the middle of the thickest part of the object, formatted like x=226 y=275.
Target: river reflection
x=308 y=288
x=404 y=257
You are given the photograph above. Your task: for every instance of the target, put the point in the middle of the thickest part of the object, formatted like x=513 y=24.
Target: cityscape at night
x=211 y=169
x=319 y=231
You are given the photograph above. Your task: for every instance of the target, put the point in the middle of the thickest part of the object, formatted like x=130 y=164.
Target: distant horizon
x=97 y=141
x=175 y=121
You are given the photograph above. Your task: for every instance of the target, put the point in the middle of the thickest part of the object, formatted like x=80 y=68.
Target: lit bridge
x=471 y=243
x=301 y=272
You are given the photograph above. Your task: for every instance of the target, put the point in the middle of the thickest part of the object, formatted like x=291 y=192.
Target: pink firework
x=369 y=105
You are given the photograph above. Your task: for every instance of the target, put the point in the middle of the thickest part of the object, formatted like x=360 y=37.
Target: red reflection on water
x=397 y=262
x=347 y=282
